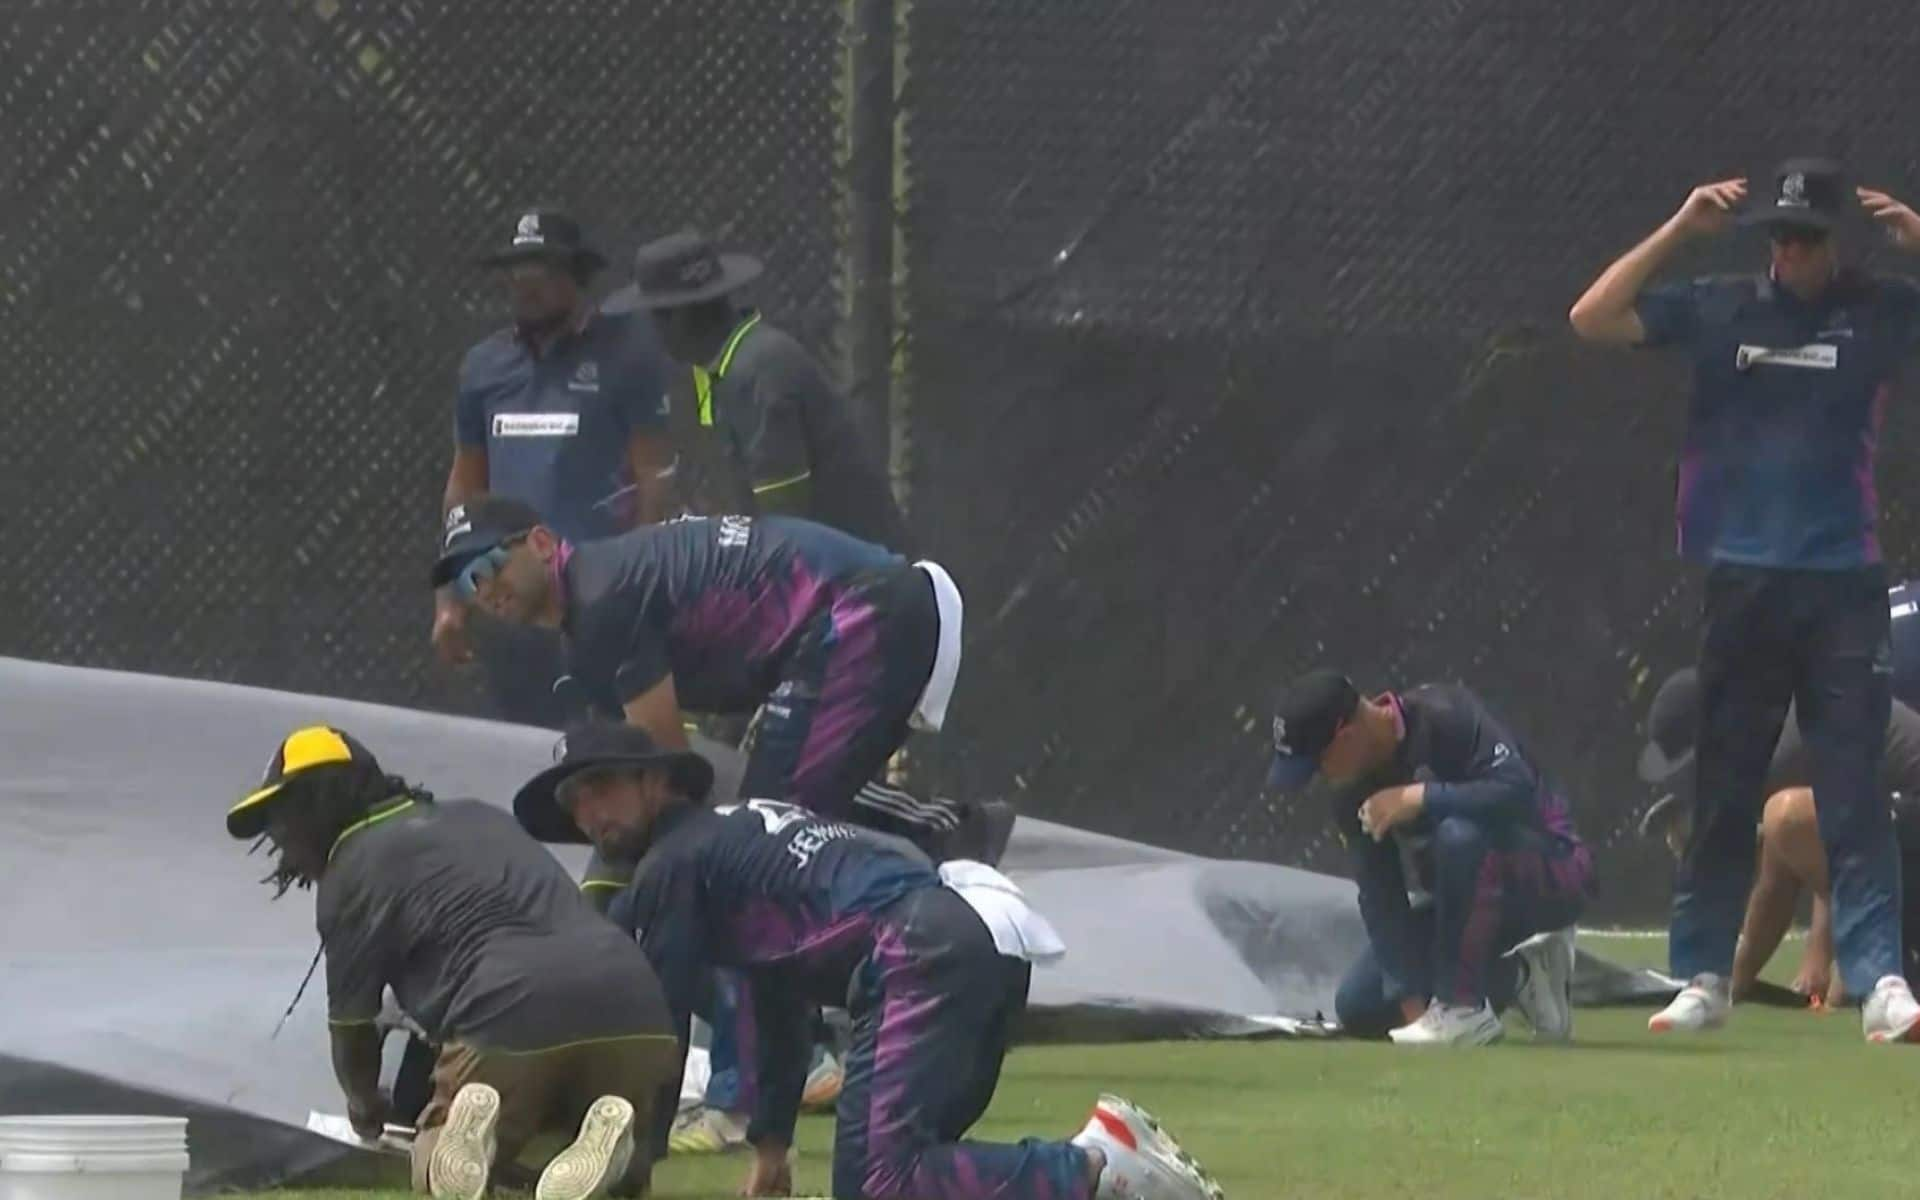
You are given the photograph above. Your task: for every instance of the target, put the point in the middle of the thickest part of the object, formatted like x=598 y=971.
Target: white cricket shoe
x=1143 y=1160
x=1545 y=994
x=598 y=1159
x=1891 y=1014
x=1451 y=1025
x=462 y=1157
x=1701 y=1005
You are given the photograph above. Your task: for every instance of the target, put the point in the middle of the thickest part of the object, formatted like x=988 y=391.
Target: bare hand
x=1900 y=222
x=1709 y=207
x=1812 y=981
x=770 y=1175
x=450 y=633
x=1389 y=807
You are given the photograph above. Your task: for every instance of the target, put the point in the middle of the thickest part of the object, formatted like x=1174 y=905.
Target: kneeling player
x=1433 y=796
x=934 y=966
x=545 y=1017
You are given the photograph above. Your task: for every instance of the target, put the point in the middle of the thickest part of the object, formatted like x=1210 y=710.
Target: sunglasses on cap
x=467 y=583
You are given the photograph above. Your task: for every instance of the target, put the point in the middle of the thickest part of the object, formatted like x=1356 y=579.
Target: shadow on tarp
x=144 y=965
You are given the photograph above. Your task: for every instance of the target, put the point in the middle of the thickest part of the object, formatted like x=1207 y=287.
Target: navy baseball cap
x=1306 y=716
x=476 y=527
x=1808 y=193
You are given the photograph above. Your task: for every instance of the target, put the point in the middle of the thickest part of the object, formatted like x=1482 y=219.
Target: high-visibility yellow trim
x=372 y=818
x=703 y=378
x=764 y=488
x=349 y=1024
x=599 y=1041
x=600 y=883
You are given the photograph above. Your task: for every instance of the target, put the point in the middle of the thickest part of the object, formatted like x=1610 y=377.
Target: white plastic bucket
x=92 y=1158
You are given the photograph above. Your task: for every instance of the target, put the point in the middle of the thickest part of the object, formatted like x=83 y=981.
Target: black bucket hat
x=1673 y=720
x=546 y=233
x=684 y=268
x=600 y=744
x=1808 y=193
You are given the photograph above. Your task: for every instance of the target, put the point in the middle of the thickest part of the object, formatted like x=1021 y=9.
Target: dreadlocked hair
x=316 y=807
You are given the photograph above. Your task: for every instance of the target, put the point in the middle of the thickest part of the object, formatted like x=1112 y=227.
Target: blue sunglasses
x=467 y=583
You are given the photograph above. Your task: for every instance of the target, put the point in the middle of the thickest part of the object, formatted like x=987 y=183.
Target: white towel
x=1019 y=931
x=931 y=713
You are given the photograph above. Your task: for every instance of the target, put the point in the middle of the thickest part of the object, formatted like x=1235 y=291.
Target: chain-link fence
x=236 y=279
x=1240 y=347
x=1232 y=339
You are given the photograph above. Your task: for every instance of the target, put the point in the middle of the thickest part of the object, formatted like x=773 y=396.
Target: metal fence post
x=867 y=251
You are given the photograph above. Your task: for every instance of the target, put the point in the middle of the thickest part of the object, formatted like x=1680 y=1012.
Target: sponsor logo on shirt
x=1813 y=357
x=519 y=425
x=586 y=378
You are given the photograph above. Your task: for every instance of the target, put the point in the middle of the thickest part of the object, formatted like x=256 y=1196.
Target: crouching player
x=934 y=966
x=1470 y=874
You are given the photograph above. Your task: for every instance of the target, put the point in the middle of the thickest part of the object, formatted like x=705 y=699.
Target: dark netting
x=1238 y=346
x=236 y=282
x=1234 y=338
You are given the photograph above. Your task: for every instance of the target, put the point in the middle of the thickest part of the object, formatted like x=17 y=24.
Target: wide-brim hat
x=1672 y=723
x=600 y=744
x=303 y=750
x=546 y=233
x=684 y=268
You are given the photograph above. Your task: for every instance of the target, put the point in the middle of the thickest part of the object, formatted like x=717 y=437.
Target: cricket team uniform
x=1775 y=496
x=1491 y=860
x=845 y=646
x=816 y=912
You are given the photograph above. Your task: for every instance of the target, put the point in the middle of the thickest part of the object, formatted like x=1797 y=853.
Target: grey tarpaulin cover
x=143 y=967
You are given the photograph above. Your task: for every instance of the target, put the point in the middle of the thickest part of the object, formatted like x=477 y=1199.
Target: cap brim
x=537 y=804
x=1775 y=215
x=463 y=550
x=1290 y=772
x=248 y=819
x=1656 y=766
x=736 y=272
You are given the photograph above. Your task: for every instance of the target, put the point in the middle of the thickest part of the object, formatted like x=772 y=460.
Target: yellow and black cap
x=303 y=750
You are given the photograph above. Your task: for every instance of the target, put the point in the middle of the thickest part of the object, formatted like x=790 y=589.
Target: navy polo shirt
x=1788 y=396
x=555 y=427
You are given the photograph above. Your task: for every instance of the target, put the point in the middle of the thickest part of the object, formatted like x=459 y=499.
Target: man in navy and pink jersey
x=843 y=645
x=1470 y=874
x=1792 y=370
x=933 y=964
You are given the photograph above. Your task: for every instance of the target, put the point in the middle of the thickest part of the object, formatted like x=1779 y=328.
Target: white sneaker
x=1891 y=1014
x=1143 y=1160
x=706 y=1130
x=597 y=1160
x=1700 y=1006
x=1451 y=1025
x=462 y=1157
x=1545 y=994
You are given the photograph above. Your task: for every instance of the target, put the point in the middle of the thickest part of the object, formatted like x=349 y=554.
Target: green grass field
x=1782 y=1104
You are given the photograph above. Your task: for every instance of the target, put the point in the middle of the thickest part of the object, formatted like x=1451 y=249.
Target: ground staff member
x=1464 y=856
x=546 y=1018
x=1792 y=858
x=934 y=967
x=1792 y=370
x=565 y=410
x=757 y=428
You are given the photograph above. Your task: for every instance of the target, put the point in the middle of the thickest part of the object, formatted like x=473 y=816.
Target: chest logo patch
x=586 y=378
x=521 y=425
x=1816 y=357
